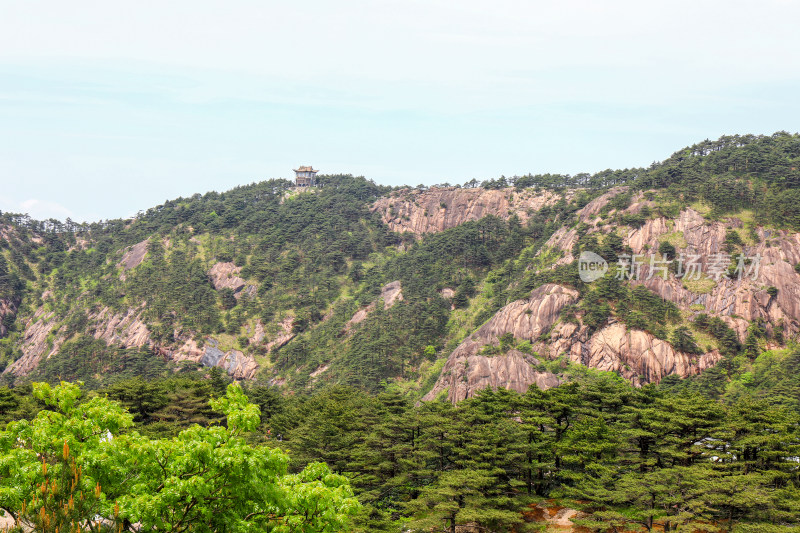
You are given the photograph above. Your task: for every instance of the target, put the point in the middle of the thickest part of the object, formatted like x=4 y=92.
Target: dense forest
x=678 y=456
x=343 y=325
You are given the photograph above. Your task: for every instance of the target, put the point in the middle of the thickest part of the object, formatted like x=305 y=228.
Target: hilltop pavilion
x=305 y=176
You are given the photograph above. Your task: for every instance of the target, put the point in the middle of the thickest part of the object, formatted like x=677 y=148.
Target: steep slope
x=468 y=371
x=438 y=209
x=636 y=355
x=737 y=301
x=216 y=280
x=283 y=286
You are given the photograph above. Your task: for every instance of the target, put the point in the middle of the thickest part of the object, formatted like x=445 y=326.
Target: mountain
x=437 y=291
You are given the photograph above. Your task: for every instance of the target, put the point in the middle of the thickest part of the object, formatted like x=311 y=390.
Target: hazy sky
x=110 y=107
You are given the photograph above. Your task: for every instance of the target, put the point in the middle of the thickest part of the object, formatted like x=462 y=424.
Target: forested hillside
x=646 y=397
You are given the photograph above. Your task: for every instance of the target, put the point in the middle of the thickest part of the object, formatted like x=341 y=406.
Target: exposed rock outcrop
x=258 y=333
x=564 y=238
x=466 y=371
x=133 y=255
x=588 y=212
x=391 y=293
x=34 y=343
x=41 y=339
x=636 y=355
x=226 y=276
x=283 y=336
x=126 y=330
x=234 y=362
x=439 y=209
x=738 y=302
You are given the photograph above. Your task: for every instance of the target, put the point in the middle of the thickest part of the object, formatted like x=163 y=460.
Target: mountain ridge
x=266 y=281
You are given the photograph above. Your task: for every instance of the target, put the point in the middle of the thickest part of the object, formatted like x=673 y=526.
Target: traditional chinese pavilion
x=305 y=176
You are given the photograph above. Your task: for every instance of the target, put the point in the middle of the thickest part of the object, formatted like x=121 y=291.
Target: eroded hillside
x=438 y=209
x=285 y=287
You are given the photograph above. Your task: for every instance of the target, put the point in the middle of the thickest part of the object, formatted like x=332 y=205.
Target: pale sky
x=109 y=107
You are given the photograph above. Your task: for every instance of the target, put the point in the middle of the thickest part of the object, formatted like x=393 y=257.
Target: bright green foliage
x=204 y=479
x=54 y=449
x=710 y=448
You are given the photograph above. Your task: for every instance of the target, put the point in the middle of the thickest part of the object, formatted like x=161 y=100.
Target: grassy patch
x=226 y=342
x=429 y=373
x=703 y=285
x=701 y=207
x=675 y=238
x=461 y=321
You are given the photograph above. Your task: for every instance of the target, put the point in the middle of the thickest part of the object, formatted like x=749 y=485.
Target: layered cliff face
x=467 y=371
x=737 y=301
x=636 y=355
x=435 y=210
x=226 y=276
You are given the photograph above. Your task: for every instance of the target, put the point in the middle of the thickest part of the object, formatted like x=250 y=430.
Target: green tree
x=71 y=464
x=683 y=340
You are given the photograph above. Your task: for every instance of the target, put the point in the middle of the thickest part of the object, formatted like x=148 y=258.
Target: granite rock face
x=391 y=293
x=438 y=209
x=465 y=375
x=737 y=301
x=124 y=329
x=132 y=257
x=467 y=371
x=565 y=238
x=636 y=355
x=226 y=276
x=234 y=362
x=43 y=337
x=588 y=212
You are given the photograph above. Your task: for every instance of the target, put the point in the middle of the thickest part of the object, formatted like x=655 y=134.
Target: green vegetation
x=75 y=462
x=634 y=458
x=715 y=450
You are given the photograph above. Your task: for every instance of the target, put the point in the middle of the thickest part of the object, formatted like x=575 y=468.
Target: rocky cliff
x=468 y=371
x=433 y=210
x=43 y=334
x=737 y=301
x=636 y=355
x=226 y=276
